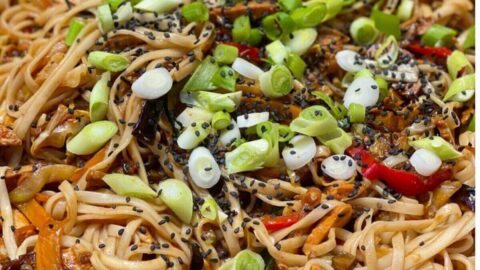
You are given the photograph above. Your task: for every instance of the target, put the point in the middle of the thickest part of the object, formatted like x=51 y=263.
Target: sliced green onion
x=105 y=19
x=438 y=146
x=337 y=140
x=108 y=61
x=114 y=4
x=124 y=13
x=300 y=150
x=333 y=7
x=471 y=125
x=438 y=36
x=284 y=133
x=405 y=10
x=225 y=54
x=296 y=65
x=209 y=209
x=356 y=113
x=245 y=259
x=248 y=156
x=214 y=102
x=99 y=98
x=153 y=83
x=425 y=162
x=193 y=135
x=178 y=197
x=363 y=90
x=289 y=5
x=252 y=119
x=309 y=16
x=203 y=168
x=363 y=31
x=129 y=185
x=194 y=114
x=463 y=84
x=255 y=37
x=349 y=60
x=276 y=82
x=387 y=54
x=386 y=23
x=269 y=131
x=363 y=73
x=201 y=77
x=338 y=110
x=158 y=6
x=221 y=120
x=247 y=69
x=277 y=52
x=74 y=29
x=313 y=121
x=339 y=167
x=470 y=39
x=195 y=12
x=278 y=25
x=92 y=137
x=241 y=29
x=230 y=135
x=383 y=86
x=225 y=78
x=457 y=62
x=299 y=41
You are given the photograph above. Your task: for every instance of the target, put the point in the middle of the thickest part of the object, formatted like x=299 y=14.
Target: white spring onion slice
x=153 y=84
x=158 y=6
x=252 y=119
x=339 y=167
x=178 y=197
x=363 y=90
x=425 y=162
x=248 y=156
x=129 y=185
x=246 y=69
x=203 y=168
x=277 y=52
x=194 y=114
x=349 y=61
x=124 y=13
x=193 y=135
x=301 y=152
x=301 y=40
x=230 y=134
x=463 y=96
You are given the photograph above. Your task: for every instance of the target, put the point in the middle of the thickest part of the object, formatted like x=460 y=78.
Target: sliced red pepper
x=438 y=177
x=425 y=50
x=248 y=52
x=406 y=183
x=280 y=222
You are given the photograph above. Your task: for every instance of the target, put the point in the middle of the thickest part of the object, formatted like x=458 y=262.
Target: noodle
x=348 y=187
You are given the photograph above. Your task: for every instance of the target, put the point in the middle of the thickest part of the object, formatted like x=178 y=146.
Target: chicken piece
x=76 y=258
x=8 y=137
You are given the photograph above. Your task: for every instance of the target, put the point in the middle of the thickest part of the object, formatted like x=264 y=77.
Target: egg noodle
x=296 y=218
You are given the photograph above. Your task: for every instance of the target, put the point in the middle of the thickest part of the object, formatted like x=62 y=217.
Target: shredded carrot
x=97 y=158
x=41 y=197
x=47 y=249
x=342 y=190
x=34 y=212
x=338 y=217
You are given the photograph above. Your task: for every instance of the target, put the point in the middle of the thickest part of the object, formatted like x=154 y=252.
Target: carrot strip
x=97 y=158
x=34 y=212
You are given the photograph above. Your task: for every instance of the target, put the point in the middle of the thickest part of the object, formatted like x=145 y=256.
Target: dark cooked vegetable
x=197 y=258
x=343 y=261
x=147 y=124
x=466 y=195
